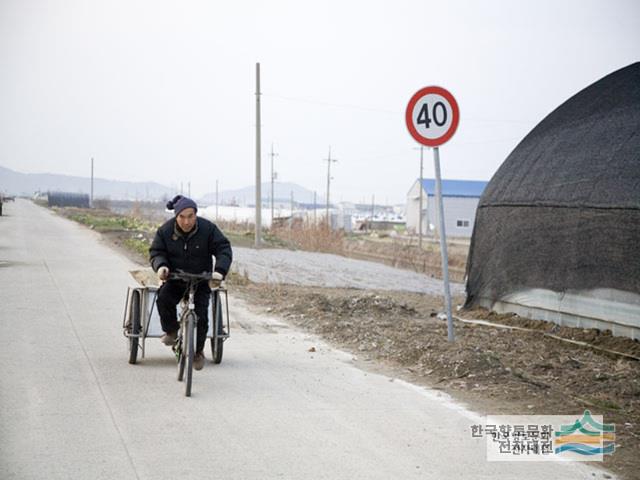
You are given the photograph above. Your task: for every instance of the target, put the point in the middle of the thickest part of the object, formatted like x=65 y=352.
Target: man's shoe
x=169 y=339
x=198 y=361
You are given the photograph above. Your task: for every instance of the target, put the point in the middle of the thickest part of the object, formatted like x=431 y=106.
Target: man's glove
x=216 y=279
x=163 y=273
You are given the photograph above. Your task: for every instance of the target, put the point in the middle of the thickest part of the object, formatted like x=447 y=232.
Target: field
x=497 y=364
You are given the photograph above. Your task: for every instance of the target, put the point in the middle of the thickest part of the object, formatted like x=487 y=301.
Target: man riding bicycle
x=187 y=243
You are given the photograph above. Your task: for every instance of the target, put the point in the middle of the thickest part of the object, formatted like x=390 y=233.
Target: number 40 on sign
x=432 y=116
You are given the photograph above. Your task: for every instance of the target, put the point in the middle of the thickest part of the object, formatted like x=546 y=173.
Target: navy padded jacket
x=191 y=252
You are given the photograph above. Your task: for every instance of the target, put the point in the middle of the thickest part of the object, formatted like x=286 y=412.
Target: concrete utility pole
x=258 y=176
x=315 y=210
x=216 y=200
x=291 y=222
x=420 y=196
x=329 y=160
x=91 y=198
x=373 y=209
x=274 y=175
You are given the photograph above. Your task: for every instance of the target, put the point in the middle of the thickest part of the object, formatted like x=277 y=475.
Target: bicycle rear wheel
x=189 y=350
x=134 y=340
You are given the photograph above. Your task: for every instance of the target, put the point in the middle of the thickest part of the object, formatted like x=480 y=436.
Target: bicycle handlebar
x=180 y=275
x=195 y=278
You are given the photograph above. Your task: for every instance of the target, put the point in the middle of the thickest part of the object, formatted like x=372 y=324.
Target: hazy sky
x=164 y=90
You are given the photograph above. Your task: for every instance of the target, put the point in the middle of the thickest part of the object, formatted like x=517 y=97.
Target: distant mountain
x=247 y=195
x=16 y=183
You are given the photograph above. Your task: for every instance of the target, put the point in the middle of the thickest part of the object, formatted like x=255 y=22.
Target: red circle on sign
x=455 y=113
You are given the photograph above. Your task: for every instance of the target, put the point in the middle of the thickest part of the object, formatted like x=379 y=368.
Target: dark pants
x=169 y=296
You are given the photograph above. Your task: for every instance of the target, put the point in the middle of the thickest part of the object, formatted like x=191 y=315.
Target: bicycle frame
x=187 y=305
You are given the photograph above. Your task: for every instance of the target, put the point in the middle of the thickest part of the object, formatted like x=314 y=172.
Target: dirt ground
x=493 y=370
x=404 y=253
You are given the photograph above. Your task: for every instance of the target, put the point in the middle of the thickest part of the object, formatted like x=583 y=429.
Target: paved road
x=72 y=408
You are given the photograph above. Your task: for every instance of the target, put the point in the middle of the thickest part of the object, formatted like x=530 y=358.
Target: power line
x=330 y=104
x=391 y=112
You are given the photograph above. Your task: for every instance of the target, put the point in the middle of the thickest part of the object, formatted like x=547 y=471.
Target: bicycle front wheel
x=180 y=349
x=189 y=351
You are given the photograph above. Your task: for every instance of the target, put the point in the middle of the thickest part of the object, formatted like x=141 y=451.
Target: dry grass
x=400 y=252
x=235 y=226
x=405 y=253
x=311 y=237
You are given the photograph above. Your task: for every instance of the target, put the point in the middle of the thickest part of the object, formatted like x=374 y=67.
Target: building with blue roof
x=460 y=201
x=455 y=188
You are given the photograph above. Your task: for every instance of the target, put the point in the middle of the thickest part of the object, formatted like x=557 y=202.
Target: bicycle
x=184 y=347
x=141 y=320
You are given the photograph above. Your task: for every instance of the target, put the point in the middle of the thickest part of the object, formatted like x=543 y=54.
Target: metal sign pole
x=420 y=208
x=443 y=245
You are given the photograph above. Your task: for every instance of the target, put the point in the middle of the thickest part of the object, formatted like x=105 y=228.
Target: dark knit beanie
x=179 y=203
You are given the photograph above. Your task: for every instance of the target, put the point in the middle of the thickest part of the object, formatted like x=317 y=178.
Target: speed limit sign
x=432 y=116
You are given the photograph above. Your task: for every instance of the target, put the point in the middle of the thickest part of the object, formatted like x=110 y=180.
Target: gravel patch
x=327 y=270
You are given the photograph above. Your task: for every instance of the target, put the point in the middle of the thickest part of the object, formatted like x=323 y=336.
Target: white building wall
x=413 y=201
x=459 y=213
